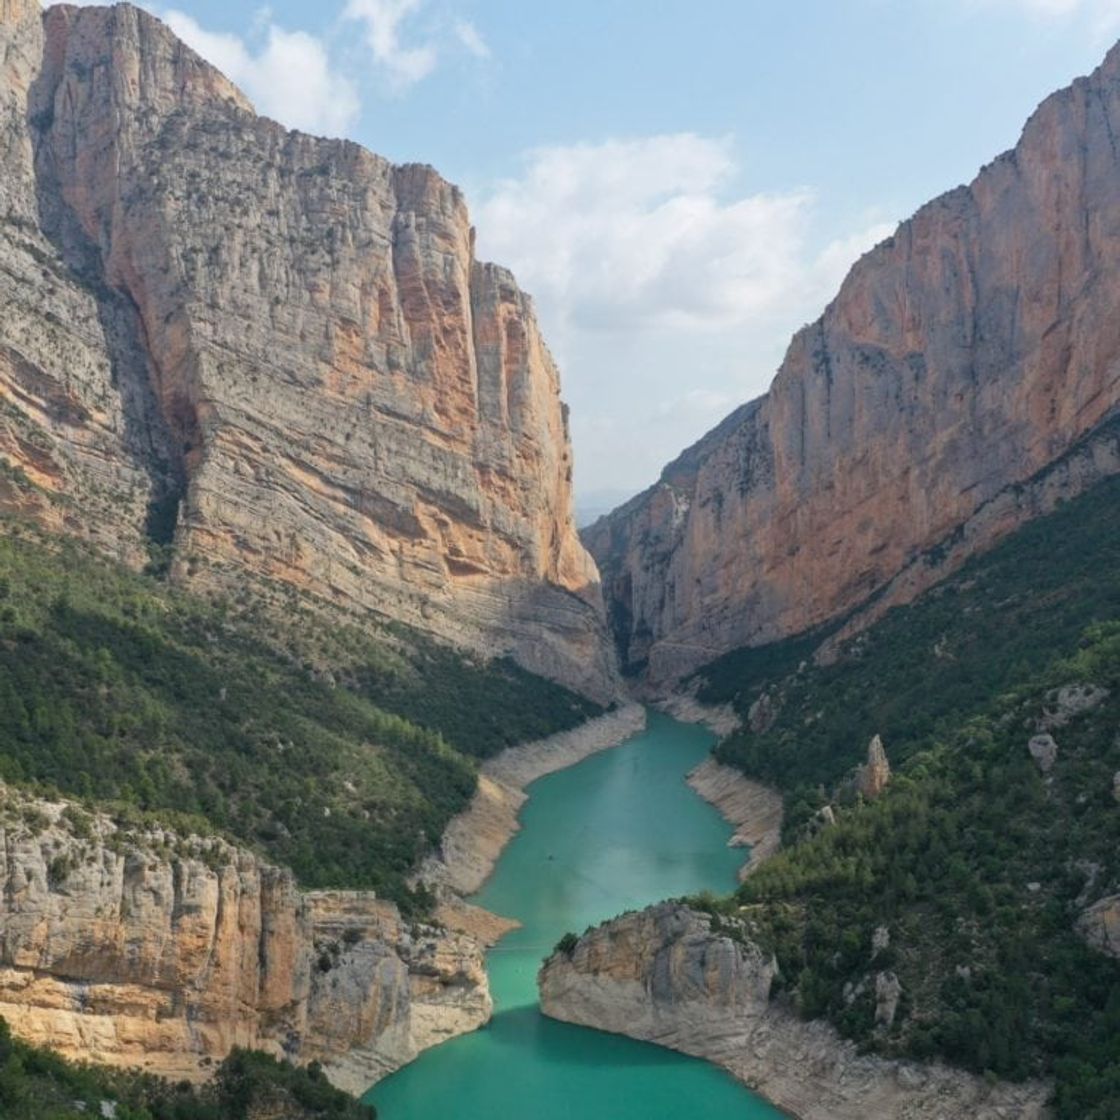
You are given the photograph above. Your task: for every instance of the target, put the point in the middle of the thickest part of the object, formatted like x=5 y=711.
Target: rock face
x=1100 y=925
x=888 y=991
x=273 y=353
x=875 y=774
x=161 y=951
x=1044 y=751
x=963 y=380
x=663 y=975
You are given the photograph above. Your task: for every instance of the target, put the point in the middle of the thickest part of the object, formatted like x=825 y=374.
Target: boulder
x=1044 y=751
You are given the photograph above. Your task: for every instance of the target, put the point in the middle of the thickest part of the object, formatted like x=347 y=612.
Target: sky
x=680 y=184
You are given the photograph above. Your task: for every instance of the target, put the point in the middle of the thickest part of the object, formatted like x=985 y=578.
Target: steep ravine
x=616 y=831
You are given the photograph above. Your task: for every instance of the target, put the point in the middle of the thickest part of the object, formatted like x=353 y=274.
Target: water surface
x=615 y=833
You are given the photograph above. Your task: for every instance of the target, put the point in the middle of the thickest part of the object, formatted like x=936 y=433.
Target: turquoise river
x=616 y=832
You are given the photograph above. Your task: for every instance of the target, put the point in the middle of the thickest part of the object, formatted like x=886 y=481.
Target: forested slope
x=337 y=751
x=991 y=858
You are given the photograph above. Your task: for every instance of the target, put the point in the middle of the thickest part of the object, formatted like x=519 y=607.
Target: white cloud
x=384 y=20
x=408 y=42
x=668 y=297
x=629 y=234
x=290 y=77
x=471 y=38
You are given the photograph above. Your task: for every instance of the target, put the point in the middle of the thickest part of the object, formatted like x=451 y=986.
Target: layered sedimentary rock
x=664 y=975
x=150 y=949
x=963 y=380
x=274 y=353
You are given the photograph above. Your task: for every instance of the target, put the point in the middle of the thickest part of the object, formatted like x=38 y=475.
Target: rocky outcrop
x=1044 y=751
x=1100 y=925
x=1068 y=702
x=754 y=810
x=665 y=976
x=274 y=354
x=148 y=948
x=473 y=841
x=875 y=774
x=965 y=379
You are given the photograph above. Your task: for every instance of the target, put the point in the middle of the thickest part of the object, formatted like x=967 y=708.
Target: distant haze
x=593 y=504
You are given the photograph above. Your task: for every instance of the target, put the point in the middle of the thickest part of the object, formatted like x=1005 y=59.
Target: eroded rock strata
x=664 y=975
x=961 y=382
x=273 y=354
x=145 y=948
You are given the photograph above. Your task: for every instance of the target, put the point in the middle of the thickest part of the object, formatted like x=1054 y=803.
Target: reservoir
x=616 y=832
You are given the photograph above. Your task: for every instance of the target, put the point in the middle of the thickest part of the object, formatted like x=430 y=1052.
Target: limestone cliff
x=142 y=947
x=665 y=975
x=956 y=386
x=274 y=352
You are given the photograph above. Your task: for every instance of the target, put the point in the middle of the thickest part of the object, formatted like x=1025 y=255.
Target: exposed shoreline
x=721 y=719
x=755 y=811
x=662 y=975
x=475 y=839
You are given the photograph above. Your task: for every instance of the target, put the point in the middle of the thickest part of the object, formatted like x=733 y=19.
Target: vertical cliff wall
x=950 y=391
x=275 y=353
x=143 y=947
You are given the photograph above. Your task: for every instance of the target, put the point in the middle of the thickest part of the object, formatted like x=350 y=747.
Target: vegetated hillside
x=979 y=859
x=338 y=752
x=36 y=1084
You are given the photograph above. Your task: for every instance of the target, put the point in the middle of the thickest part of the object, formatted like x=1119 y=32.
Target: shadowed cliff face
x=960 y=359
x=276 y=351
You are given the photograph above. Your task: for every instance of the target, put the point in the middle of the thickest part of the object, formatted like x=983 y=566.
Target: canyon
x=963 y=381
x=269 y=367
x=272 y=361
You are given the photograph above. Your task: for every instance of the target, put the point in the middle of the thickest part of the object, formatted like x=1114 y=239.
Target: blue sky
x=680 y=184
